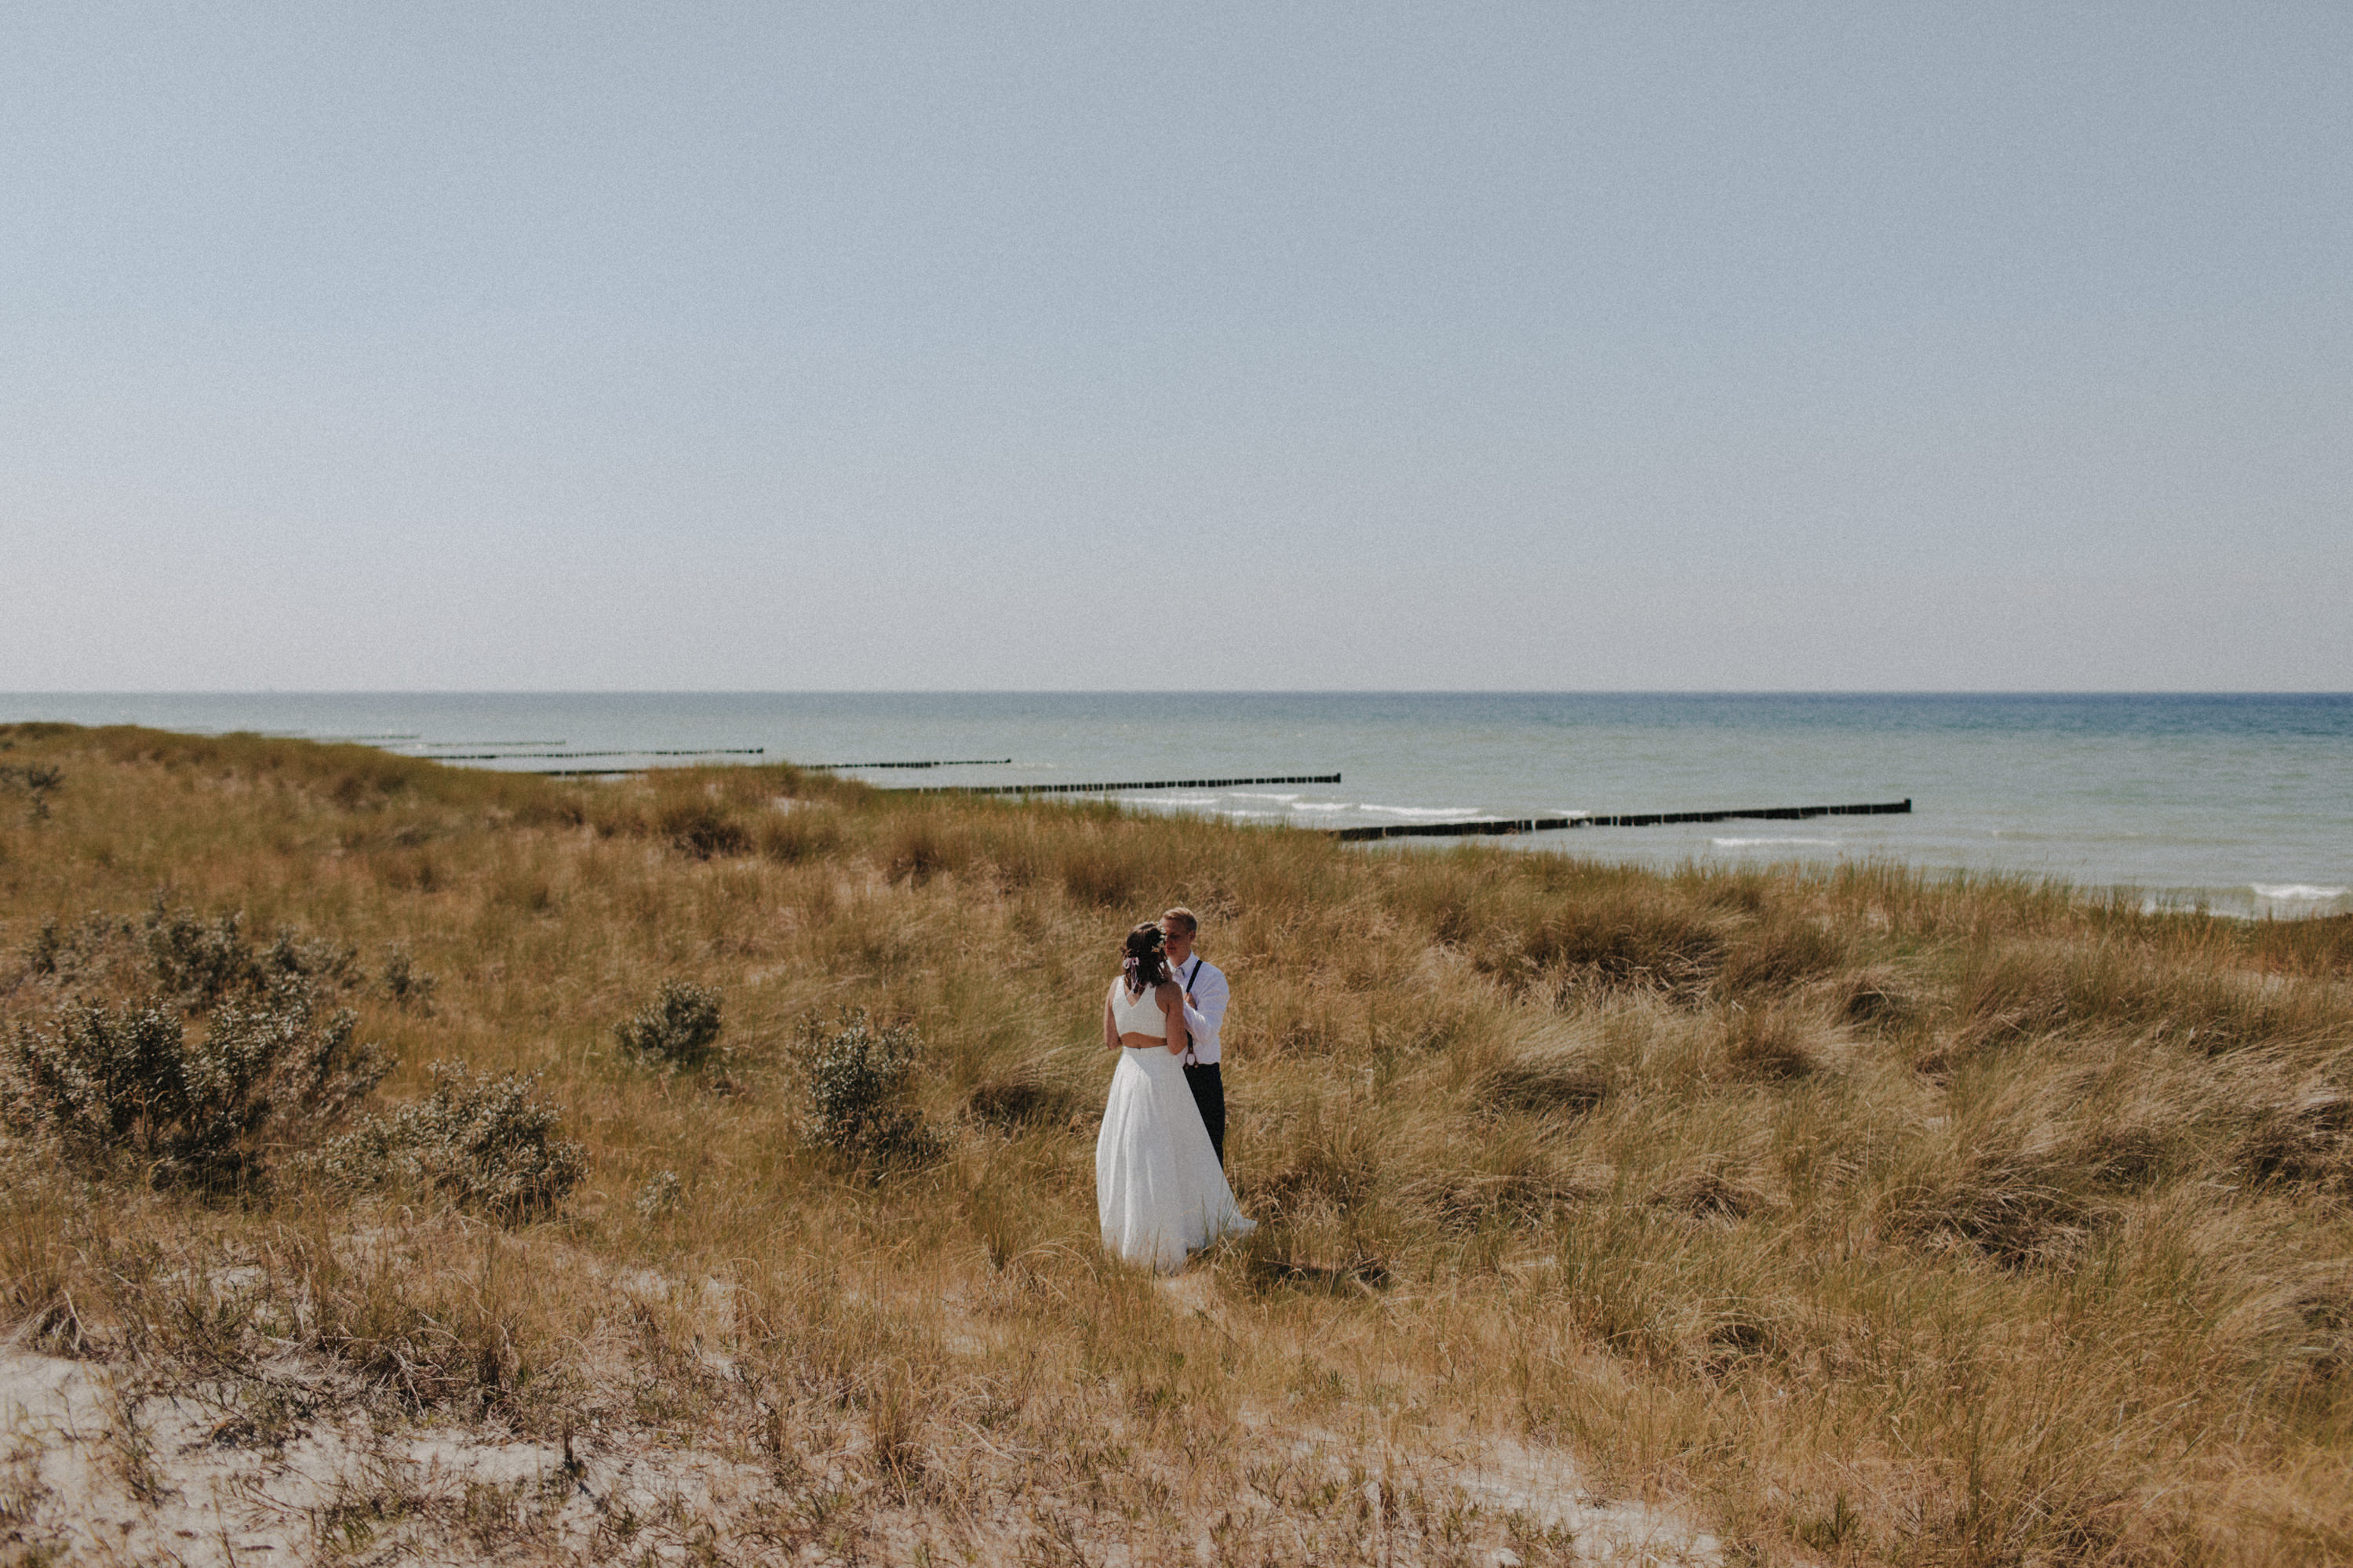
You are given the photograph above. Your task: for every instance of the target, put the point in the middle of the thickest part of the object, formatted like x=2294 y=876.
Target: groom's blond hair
x=1183 y=917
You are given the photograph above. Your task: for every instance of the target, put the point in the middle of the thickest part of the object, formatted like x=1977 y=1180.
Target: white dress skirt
x=1159 y=1190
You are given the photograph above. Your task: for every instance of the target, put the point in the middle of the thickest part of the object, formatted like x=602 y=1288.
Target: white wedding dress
x=1159 y=1191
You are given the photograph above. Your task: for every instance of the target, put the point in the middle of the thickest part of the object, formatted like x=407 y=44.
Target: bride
x=1159 y=1190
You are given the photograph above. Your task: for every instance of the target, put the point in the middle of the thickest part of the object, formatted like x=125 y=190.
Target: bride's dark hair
x=1146 y=963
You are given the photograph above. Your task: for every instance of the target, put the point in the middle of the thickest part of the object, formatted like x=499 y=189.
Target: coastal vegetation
x=721 y=1141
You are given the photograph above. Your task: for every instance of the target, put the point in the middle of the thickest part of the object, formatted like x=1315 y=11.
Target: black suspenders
x=1188 y=987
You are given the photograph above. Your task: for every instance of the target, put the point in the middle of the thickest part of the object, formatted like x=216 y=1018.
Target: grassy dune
x=1851 y=1214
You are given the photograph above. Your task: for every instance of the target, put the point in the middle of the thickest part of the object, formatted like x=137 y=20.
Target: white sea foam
x=1324 y=805
x=1425 y=810
x=1752 y=843
x=2296 y=892
x=1175 y=805
x=1249 y=794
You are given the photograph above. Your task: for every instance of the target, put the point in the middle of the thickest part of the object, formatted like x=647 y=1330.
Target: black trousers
x=1210 y=1094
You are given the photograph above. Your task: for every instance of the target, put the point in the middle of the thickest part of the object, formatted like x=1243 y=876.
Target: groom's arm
x=1205 y=1007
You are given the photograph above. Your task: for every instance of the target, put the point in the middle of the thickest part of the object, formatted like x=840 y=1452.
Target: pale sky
x=1289 y=346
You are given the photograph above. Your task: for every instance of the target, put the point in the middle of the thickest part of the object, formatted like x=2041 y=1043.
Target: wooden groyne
x=964 y=762
x=1622 y=819
x=539 y=757
x=1116 y=788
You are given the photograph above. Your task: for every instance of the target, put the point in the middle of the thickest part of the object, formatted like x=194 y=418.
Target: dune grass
x=1864 y=1215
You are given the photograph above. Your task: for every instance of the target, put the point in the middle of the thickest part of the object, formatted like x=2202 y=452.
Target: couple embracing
x=1160 y=1180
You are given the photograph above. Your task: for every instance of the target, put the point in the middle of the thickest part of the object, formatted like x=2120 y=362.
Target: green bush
x=679 y=1029
x=481 y=1141
x=128 y=1081
x=38 y=780
x=200 y=962
x=658 y=1196
x=69 y=953
x=856 y=1077
x=402 y=982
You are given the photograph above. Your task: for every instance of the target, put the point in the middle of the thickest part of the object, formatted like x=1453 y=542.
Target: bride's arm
x=1111 y=1023
x=1172 y=1007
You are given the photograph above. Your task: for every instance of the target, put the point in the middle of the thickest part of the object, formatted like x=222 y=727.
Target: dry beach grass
x=1834 y=1216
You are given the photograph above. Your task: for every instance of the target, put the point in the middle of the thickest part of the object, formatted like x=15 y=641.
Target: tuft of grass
x=702 y=829
x=1021 y=1100
x=1564 y=1083
x=1772 y=1043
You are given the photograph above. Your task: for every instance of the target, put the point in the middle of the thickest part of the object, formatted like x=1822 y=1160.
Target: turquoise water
x=2243 y=801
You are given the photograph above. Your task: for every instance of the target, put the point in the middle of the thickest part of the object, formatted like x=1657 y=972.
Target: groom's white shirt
x=1206 y=1009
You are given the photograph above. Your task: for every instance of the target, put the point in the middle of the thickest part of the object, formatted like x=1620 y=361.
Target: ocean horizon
x=2235 y=802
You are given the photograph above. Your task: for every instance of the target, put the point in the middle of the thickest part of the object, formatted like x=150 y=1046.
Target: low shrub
x=199 y=962
x=658 y=1196
x=480 y=1141
x=128 y=1081
x=37 y=781
x=679 y=1029
x=314 y=959
x=856 y=1077
x=74 y=953
x=401 y=982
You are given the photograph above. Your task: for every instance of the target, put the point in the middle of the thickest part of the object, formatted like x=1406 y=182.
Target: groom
x=1205 y=1009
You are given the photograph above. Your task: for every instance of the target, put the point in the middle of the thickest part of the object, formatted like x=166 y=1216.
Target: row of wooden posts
x=1620 y=819
x=1476 y=827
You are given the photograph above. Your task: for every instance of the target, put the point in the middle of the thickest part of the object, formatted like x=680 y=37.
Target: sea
x=2240 y=803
